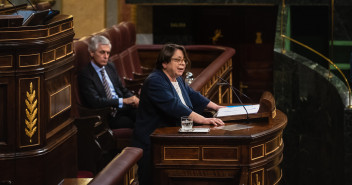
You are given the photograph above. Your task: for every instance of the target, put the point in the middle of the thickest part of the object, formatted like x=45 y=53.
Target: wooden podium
x=37 y=135
x=223 y=156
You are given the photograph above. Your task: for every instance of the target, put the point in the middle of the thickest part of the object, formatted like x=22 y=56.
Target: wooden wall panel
x=88 y=17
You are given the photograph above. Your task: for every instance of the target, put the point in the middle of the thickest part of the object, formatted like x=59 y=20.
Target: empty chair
x=132 y=84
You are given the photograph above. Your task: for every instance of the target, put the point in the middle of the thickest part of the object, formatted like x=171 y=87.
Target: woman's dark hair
x=166 y=54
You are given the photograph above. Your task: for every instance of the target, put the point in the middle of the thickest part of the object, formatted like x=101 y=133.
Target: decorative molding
x=179 y=148
x=235 y=158
x=58 y=104
x=69 y=49
x=257 y=177
x=261 y=146
x=31 y=112
x=275 y=142
x=29 y=125
x=6 y=61
x=60 y=52
x=33 y=58
x=37 y=33
x=48 y=56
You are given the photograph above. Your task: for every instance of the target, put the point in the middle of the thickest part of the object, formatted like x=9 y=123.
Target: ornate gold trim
x=198 y=148
x=237 y=151
x=11 y=59
x=263 y=153
x=71 y=46
x=36 y=30
x=38 y=60
x=230 y=83
x=47 y=62
x=279 y=178
x=273 y=113
x=31 y=112
x=56 y=51
x=55 y=29
x=258 y=39
x=251 y=177
x=277 y=147
x=30 y=94
x=217 y=35
x=330 y=63
x=51 y=95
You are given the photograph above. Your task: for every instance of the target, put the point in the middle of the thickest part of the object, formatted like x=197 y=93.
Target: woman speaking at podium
x=164 y=99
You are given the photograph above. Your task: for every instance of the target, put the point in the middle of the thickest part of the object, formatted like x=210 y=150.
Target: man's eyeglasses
x=179 y=60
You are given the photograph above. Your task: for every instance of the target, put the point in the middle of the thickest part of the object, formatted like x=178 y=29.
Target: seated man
x=100 y=86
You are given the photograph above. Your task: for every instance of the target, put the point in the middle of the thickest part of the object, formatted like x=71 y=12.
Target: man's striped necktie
x=106 y=85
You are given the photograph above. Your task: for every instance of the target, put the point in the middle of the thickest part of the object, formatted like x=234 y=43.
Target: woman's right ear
x=164 y=64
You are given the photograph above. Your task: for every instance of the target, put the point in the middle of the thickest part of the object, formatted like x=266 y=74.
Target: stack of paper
x=237 y=110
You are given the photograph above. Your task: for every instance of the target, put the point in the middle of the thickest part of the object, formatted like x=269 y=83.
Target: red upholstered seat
x=134 y=60
x=119 y=68
x=82 y=55
x=115 y=39
x=131 y=29
x=125 y=37
x=137 y=68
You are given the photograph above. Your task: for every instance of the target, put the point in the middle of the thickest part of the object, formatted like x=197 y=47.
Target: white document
x=237 y=110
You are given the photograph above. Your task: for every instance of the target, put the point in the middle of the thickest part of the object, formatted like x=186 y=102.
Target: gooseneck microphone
x=238 y=98
x=13 y=6
x=10 y=2
x=35 y=9
x=233 y=88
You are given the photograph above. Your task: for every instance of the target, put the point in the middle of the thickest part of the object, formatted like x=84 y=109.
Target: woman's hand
x=214 y=121
x=214 y=106
x=197 y=118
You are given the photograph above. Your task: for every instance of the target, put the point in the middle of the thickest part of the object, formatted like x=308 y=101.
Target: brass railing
x=314 y=51
x=225 y=70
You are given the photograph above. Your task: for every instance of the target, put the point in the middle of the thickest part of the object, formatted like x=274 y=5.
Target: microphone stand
x=238 y=98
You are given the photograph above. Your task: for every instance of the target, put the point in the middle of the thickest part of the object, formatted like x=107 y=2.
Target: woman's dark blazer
x=160 y=106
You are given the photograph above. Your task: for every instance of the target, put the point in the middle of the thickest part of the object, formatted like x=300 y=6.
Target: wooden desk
x=248 y=156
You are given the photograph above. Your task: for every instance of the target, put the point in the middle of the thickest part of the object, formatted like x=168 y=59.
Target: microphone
x=238 y=98
x=10 y=2
x=13 y=6
x=35 y=9
x=233 y=88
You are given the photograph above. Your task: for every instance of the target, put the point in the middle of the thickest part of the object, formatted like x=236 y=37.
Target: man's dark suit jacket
x=92 y=90
x=160 y=106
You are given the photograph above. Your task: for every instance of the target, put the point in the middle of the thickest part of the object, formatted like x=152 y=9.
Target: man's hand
x=133 y=100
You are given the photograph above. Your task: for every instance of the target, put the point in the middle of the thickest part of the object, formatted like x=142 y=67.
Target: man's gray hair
x=97 y=40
